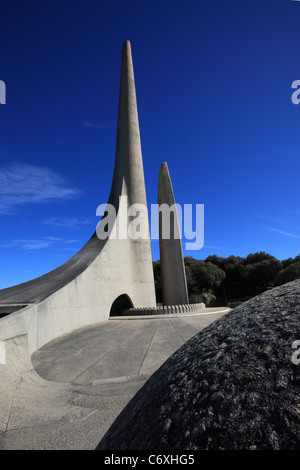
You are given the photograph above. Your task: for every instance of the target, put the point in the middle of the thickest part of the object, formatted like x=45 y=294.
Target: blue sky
x=213 y=82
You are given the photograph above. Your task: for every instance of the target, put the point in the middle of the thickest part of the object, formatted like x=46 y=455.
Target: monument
x=110 y=275
x=105 y=276
x=173 y=278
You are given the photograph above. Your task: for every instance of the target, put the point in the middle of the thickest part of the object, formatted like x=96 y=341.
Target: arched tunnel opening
x=121 y=303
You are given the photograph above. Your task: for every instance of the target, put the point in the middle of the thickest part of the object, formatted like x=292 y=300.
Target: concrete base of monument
x=148 y=313
x=165 y=310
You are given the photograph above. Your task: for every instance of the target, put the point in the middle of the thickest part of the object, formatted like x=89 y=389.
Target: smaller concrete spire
x=174 y=286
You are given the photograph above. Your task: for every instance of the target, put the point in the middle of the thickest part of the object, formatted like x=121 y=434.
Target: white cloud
x=23 y=184
x=70 y=222
x=213 y=247
x=36 y=244
x=271 y=218
x=282 y=232
x=91 y=124
x=29 y=244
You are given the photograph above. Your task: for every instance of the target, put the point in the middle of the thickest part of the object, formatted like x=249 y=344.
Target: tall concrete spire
x=128 y=172
x=173 y=278
x=128 y=180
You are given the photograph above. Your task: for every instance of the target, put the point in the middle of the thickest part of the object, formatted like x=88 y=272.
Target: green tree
x=234 y=267
x=253 y=258
x=288 y=274
x=234 y=278
x=261 y=275
x=287 y=262
x=202 y=275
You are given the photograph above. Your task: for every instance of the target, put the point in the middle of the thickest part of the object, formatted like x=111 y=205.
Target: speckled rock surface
x=232 y=386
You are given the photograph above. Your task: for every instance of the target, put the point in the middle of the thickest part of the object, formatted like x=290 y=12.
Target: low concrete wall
x=164 y=310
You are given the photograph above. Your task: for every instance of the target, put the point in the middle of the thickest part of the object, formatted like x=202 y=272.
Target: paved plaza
x=81 y=381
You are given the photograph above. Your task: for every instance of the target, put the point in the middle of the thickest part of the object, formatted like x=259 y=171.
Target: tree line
x=234 y=279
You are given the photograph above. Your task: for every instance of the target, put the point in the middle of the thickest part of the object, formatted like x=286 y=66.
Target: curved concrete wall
x=85 y=300
x=88 y=299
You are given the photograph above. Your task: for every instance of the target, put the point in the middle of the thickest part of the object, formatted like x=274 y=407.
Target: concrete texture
x=173 y=278
x=233 y=386
x=82 y=291
x=72 y=389
x=116 y=348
